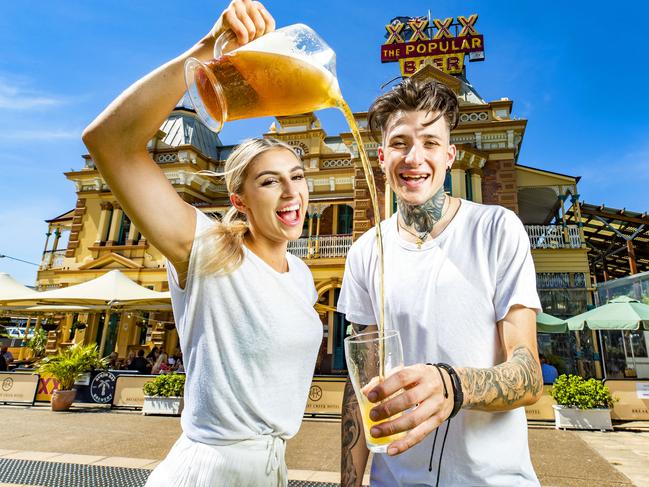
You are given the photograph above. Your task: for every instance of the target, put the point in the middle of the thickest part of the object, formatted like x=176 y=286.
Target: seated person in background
x=8 y=356
x=153 y=354
x=112 y=361
x=160 y=366
x=549 y=371
x=140 y=363
x=128 y=360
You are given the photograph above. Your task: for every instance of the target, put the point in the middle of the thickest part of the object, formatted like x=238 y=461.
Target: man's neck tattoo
x=423 y=217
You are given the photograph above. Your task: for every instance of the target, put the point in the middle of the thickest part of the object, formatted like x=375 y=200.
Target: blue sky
x=575 y=70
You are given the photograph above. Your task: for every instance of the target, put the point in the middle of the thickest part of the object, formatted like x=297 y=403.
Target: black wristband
x=458 y=395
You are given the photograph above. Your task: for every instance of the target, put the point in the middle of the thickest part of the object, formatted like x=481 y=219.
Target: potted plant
x=38 y=342
x=164 y=394
x=67 y=367
x=581 y=404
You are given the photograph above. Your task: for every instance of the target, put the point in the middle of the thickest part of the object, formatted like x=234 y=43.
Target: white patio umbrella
x=13 y=291
x=113 y=291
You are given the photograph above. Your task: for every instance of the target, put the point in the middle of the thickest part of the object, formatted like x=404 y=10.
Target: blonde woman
x=243 y=305
x=160 y=364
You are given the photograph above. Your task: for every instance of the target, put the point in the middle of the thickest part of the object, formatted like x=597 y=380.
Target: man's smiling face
x=415 y=155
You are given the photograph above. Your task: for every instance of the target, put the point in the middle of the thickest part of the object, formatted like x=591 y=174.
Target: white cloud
x=15 y=96
x=40 y=134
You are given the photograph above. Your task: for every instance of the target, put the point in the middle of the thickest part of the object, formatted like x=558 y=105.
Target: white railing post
x=552 y=237
x=329 y=246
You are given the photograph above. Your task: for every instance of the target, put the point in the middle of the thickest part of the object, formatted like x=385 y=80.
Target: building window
x=345 y=220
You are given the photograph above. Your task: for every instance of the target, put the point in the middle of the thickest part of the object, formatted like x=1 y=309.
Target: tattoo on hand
x=351 y=429
x=503 y=385
x=423 y=217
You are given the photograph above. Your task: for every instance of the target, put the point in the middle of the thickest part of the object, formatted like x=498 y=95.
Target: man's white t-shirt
x=249 y=341
x=445 y=300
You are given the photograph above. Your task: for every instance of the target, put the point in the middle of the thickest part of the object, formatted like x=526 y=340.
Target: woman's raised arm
x=117 y=139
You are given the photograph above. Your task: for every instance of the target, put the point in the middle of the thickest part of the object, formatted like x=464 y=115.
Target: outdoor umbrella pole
x=601 y=354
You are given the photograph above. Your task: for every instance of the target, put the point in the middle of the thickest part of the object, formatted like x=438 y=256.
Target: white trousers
x=257 y=462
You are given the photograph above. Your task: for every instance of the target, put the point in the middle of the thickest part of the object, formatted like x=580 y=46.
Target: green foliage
x=166 y=385
x=575 y=391
x=70 y=364
x=38 y=342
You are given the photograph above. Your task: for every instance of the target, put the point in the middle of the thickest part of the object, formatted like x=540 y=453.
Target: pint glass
x=362 y=353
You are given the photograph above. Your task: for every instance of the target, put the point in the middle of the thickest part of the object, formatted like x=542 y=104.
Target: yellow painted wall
x=560 y=260
x=532 y=178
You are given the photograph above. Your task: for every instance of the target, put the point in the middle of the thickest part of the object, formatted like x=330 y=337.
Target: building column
x=334 y=222
x=103 y=222
x=632 y=262
x=23 y=346
x=458 y=183
x=55 y=245
x=476 y=186
x=132 y=233
x=104 y=332
x=317 y=234
x=47 y=240
x=308 y=240
x=115 y=224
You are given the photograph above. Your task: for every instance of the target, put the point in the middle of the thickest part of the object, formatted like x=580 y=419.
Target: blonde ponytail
x=223 y=243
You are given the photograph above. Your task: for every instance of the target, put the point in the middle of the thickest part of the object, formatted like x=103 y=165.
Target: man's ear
x=450 y=155
x=237 y=202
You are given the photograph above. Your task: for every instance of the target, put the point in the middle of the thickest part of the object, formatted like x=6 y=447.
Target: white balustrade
x=323 y=246
x=552 y=237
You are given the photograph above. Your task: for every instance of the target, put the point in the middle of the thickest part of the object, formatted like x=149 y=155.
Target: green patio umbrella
x=546 y=323
x=621 y=313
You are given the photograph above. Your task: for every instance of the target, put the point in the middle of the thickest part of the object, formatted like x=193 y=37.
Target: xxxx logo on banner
x=46 y=386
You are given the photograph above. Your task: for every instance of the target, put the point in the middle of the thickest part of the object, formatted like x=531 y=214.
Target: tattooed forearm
x=517 y=382
x=423 y=217
x=354 y=453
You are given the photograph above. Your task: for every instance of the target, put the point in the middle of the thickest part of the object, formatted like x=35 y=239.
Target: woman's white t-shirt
x=249 y=341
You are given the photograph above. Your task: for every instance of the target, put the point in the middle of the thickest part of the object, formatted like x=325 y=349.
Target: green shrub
x=70 y=364
x=38 y=342
x=575 y=391
x=166 y=385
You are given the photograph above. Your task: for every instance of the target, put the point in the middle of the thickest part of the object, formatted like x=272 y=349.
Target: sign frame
x=3 y=380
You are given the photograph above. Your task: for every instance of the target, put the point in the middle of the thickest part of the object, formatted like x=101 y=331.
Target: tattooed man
x=460 y=287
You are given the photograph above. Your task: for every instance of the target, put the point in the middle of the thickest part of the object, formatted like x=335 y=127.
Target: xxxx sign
x=46 y=386
x=440 y=42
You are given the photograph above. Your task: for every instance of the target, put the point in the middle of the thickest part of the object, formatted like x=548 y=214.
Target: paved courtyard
x=98 y=447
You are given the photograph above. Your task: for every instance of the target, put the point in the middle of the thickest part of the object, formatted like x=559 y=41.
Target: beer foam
x=280 y=43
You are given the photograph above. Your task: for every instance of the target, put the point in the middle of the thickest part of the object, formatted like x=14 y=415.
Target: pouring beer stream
x=285 y=72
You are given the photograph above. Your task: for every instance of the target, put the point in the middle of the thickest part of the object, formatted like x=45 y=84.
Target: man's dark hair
x=140 y=353
x=412 y=95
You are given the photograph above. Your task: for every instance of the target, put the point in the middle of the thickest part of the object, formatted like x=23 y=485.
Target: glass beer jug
x=285 y=72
